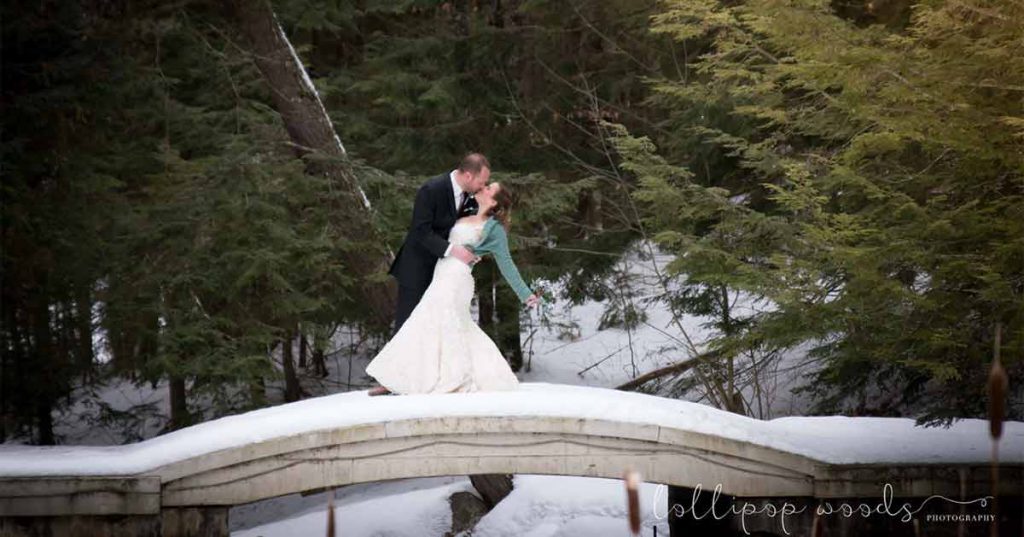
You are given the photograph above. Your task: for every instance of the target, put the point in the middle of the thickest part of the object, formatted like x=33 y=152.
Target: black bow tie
x=467 y=206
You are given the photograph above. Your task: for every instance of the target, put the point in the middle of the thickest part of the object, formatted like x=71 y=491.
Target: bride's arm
x=506 y=266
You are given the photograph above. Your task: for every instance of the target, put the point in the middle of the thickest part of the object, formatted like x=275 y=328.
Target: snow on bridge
x=539 y=429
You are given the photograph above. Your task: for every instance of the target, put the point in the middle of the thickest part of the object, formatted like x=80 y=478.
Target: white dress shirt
x=458 y=194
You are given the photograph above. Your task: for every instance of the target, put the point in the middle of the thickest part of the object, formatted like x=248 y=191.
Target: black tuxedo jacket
x=433 y=215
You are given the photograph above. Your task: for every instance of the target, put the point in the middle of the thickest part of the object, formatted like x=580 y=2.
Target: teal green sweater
x=494 y=240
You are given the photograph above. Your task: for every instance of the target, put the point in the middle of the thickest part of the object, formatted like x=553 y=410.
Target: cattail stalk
x=330 y=515
x=998 y=385
x=632 y=480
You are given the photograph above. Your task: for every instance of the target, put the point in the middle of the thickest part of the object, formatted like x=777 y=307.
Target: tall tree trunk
x=319 y=356
x=460 y=27
x=65 y=343
x=116 y=326
x=492 y=487
x=508 y=340
x=302 y=348
x=44 y=419
x=258 y=392
x=179 y=404
x=8 y=351
x=83 y=328
x=292 y=391
x=486 y=297
x=590 y=209
x=506 y=13
x=12 y=392
x=45 y=368
x=310 y=128
x=149 y=340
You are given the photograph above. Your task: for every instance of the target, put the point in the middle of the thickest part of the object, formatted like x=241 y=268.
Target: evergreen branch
x=608 y=39
x=604 y=102
x=547 y=139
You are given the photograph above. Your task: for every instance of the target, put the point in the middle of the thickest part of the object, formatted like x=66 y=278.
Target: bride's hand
x=532 y=301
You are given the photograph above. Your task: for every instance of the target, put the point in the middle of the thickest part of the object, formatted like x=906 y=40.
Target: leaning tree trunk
x=310 y=130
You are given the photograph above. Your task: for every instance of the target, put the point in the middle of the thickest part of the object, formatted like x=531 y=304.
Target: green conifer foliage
x=869 y=188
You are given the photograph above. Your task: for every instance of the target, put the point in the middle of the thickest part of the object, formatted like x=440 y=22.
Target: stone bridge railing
x=185 y=482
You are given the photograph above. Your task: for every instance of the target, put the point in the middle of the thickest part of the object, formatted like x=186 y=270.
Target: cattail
x=330 y=515
x=632 y=479
x=961 y=528
x=998 y=384
x=816 y=523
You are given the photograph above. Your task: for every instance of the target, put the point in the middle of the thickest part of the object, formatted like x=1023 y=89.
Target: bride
x=440 y=348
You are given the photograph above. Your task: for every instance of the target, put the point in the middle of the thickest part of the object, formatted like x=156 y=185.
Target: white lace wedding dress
x=440 y=348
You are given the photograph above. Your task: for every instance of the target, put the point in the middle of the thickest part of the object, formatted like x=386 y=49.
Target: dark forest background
x=175 y=206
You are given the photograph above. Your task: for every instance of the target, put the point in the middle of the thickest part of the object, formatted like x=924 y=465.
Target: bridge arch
x=466 y=445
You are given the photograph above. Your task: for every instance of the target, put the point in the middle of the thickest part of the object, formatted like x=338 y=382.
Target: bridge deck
x=541 y=428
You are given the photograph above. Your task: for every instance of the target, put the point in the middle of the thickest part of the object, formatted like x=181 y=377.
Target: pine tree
x=873 y=192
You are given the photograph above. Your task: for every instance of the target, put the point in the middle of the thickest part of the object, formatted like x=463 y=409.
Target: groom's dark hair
x=474 y=163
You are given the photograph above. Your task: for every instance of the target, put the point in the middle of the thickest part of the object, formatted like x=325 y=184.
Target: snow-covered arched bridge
x=542 y=428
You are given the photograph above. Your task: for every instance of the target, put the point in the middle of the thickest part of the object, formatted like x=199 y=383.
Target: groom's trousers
x=408 y=297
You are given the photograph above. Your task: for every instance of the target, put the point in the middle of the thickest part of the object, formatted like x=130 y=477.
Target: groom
x=439 y=203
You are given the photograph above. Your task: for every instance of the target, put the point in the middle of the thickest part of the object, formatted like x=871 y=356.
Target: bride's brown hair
x=502 y=208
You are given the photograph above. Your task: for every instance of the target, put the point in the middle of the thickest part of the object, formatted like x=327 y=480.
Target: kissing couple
x=437 y=347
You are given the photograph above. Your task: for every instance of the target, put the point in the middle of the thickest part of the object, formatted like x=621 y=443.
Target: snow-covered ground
x=613 y=356
x=538 y=506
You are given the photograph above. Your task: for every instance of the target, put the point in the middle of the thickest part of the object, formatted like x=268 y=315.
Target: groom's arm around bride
x=425 y=217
